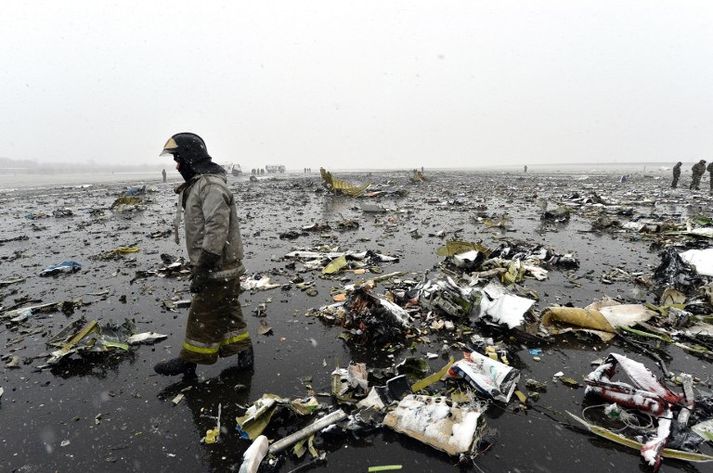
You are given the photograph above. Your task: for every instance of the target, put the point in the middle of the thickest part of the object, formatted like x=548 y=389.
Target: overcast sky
x=358 y=84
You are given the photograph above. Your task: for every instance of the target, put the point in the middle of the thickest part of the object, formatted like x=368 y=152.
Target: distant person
x=163 y=174
x=698 y=170
x=710 y=175
x=215 y=326
x=525 y=168
x=676 y=174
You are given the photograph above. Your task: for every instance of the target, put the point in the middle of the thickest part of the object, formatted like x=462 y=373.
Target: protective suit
x=698 y=170
x=215 y=325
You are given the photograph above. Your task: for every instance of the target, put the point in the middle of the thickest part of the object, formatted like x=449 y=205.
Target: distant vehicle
x=275 y=168
x=234 y=169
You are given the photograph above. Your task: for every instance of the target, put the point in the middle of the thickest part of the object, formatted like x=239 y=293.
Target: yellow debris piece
x=211 y=436
x=342 y=187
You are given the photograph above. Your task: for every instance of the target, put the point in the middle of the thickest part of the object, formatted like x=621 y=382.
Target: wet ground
x=112 y=413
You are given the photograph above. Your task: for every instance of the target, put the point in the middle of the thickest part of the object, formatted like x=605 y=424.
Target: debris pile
x=457 y=311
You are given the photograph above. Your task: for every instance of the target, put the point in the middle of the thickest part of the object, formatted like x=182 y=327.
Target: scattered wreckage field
x=431 y=322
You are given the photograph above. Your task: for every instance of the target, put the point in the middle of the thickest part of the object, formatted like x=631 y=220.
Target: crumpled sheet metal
x=257 y=417
x=257 y=282
x=350 y=381
x=374 y=319
x=90 y=337
x=126 y=200
x=21 y=314
x=503 y=307
x=488 y=377
x=702 y=260
x=447 y=296
x=456 y=247
x=599 y=318
x=66 y=267
x=700 y=329
x=577 y=318
x=675 y=272
x=335 y=265
x=437 y=422
x=704 y=429
x=340 y=186
x=631 y=443
x=83 y=336
x=647 y=394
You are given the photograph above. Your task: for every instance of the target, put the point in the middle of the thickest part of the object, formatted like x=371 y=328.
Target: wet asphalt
x=112 y=413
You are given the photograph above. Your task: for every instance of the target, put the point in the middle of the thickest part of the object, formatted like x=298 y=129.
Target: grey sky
x=359 y=84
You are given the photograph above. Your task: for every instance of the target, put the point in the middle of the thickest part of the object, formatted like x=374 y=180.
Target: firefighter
x=215 y=325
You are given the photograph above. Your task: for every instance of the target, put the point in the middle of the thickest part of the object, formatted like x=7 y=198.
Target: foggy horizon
x=369 y=86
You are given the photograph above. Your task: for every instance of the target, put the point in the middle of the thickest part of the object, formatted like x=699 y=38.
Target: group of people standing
x=697 y=171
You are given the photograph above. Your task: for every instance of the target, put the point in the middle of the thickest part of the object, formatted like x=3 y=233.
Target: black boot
x=246 y=359
x=175 y=367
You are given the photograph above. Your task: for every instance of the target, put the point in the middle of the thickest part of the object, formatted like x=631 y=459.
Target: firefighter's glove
x=201 y=271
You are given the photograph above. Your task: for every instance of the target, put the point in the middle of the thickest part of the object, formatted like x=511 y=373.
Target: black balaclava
x=190 y=152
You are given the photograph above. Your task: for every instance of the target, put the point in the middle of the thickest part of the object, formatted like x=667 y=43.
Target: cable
x=629 y=420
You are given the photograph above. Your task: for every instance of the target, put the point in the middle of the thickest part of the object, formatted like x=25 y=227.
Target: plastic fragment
x=310 y=447
x=299 y=448
x=264 y=328
x=211 y=436
x=254 y=455
x=146 y=338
